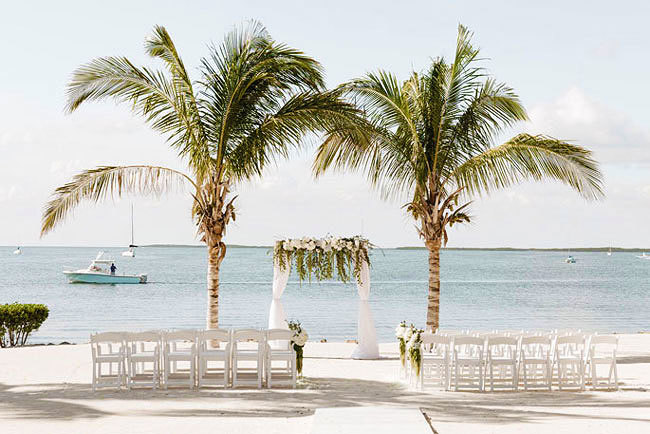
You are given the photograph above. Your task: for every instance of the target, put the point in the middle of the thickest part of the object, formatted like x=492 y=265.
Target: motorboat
x=131 y=252
x=99 y=271
x=644 y=256
x=570 y=260
x=18 y=251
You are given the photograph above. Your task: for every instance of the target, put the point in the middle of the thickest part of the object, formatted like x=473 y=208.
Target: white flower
x=356 y=243
x=286 y=245
x=311 y=245
x=300 y=338
x=400 y=331
x=349 y=245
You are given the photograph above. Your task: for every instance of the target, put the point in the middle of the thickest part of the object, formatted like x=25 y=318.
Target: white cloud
x=574 y=116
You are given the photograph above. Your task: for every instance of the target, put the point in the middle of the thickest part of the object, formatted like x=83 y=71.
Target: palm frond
x=304 y=113
x=529 y=157
x=108 y=181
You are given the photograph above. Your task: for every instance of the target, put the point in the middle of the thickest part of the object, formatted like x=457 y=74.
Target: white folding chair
x=284 y=355
x=468 y=362
x=602 y=351
x=179 y=350
x=569 y=361
x=435 y=363
x=214 y=362
x=502 y=360
x=535 y=361
x=108 y=349
x=143 y=349
x=248 y=349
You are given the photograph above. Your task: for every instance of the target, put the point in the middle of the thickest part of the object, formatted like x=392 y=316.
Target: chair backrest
x=604 y=339
x=565 y=332
x=444 y=332
x=180 y=336
x=149 y=336
x=535 y=346
x=244 y=335
x=279 y=335
x=501 y=340
x=603 y=346
x=431 y=339
x=215 y=334
x=107 y=338
x=502 y=346
x=578 y=339
x=468 y=340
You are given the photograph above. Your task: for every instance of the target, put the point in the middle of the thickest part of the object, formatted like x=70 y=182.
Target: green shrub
x=17 y=321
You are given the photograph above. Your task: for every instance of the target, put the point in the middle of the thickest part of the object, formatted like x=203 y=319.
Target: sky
x=580 y=68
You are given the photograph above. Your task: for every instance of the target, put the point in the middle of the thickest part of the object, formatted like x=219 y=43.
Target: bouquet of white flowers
x=298 y=340
x=415 y=349
x=400 y=334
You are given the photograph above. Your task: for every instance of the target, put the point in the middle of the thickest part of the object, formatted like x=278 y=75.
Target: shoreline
x=66 y=343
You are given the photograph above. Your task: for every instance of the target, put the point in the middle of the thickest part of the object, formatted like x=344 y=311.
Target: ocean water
x=480 y=290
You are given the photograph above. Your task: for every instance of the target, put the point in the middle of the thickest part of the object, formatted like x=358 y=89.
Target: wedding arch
x=325 y=258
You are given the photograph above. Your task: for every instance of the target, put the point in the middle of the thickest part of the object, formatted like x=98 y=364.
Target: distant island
x=550 y=249
x=494 y=249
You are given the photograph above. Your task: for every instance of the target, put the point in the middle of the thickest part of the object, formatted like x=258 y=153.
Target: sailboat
x=131 y=252
x=609 y=253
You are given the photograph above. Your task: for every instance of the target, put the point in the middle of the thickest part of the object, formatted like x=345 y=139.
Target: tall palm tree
x=254 y=101
x=433 y=143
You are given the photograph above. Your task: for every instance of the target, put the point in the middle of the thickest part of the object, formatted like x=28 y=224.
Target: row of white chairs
x=193 y=358
x=507 y=360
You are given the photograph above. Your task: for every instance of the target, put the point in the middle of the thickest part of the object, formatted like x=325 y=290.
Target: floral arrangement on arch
x=322 y=257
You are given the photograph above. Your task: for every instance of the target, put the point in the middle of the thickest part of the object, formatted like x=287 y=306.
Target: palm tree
x=433 y=143
x=253 y=103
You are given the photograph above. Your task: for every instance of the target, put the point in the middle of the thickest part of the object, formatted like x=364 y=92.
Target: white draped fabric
x=277 y=319
x=367 y=347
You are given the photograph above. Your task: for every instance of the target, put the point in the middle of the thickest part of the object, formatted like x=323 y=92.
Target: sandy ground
x=47 y=390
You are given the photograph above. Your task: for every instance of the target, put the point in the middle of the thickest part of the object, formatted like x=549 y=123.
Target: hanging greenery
x=323 y=257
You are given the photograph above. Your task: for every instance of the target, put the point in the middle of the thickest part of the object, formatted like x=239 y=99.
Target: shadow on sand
x=77 y=401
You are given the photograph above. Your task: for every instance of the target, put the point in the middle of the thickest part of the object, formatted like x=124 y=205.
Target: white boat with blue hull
x=99 y=271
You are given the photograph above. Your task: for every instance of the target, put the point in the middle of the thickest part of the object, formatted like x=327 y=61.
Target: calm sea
x=480 y=290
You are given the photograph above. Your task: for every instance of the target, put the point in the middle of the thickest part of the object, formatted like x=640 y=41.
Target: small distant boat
x=609 y=253
x=99 y=272
x=18 y=251
x=131 y=252
x=644 y=256
x=570 y=260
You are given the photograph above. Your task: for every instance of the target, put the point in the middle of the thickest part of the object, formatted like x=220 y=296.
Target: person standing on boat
x=113 y=268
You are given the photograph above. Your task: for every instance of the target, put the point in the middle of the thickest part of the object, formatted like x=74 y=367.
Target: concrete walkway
x=375 y=420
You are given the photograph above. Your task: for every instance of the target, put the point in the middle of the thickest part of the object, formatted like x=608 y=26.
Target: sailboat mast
x=132 y=224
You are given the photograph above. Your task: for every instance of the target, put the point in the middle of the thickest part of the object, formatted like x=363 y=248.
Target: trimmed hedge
x=17 y=321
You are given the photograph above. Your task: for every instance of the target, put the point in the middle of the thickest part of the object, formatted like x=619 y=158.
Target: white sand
x=47 y=390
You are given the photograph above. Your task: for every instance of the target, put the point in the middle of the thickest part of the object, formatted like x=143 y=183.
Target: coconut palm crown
x=433 y=142
x=254 y=101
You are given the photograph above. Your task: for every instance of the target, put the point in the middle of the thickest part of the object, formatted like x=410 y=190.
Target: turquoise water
x=480 y=290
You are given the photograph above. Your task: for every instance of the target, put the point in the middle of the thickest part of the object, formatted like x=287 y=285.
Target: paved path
x=372 y=420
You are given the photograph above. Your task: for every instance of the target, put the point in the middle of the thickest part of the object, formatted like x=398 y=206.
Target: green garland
x=322 y=257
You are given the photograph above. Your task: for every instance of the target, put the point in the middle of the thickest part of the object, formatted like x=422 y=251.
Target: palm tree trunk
x=215 y=257
x=433 y=299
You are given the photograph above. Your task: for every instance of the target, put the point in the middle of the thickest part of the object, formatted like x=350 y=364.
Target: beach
x=46 y=389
